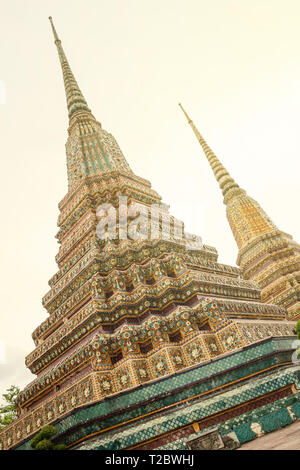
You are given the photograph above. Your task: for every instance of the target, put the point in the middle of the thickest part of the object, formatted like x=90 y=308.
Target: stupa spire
x=90 y=150
x=227 y=184
x=267 y=255
x=75 y=99
x=247 y=219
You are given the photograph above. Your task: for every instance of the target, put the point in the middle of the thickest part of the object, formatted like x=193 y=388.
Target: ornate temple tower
x=148 y=340
x=267 y=255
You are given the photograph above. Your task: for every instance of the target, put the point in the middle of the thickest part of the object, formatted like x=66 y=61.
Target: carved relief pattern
x=124 y=312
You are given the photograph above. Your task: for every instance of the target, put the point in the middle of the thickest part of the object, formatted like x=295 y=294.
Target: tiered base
x=244 y=394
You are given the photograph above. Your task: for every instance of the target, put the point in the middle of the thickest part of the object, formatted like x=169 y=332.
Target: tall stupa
x=149 y=341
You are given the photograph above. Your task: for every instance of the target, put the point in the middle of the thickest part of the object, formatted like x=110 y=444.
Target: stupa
x=150 y=342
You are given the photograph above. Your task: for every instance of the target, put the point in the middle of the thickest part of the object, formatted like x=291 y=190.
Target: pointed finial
x=75 y=99
x=227 y=184
x=186 y=114
x=54 y=30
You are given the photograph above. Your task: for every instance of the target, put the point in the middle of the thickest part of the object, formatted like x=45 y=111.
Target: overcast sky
x=234 y=65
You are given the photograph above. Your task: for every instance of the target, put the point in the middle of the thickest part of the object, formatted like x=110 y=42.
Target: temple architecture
x=149 y=341
x=267 y=255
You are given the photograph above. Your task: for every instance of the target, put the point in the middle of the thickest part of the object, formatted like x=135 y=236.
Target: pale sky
x=234 y=65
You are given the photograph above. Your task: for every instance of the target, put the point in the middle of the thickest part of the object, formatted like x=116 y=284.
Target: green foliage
x=60 y=447
x=8 y=411
x=42 y=440
x=35 y=440
x=44 y=444
x=297 y=329
x=47 y=432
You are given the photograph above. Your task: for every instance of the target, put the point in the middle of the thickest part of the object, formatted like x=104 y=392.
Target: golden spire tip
x=187 y=116
x=53 y=29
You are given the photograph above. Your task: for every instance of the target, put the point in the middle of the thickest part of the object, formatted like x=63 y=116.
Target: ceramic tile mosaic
x=138 y=327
